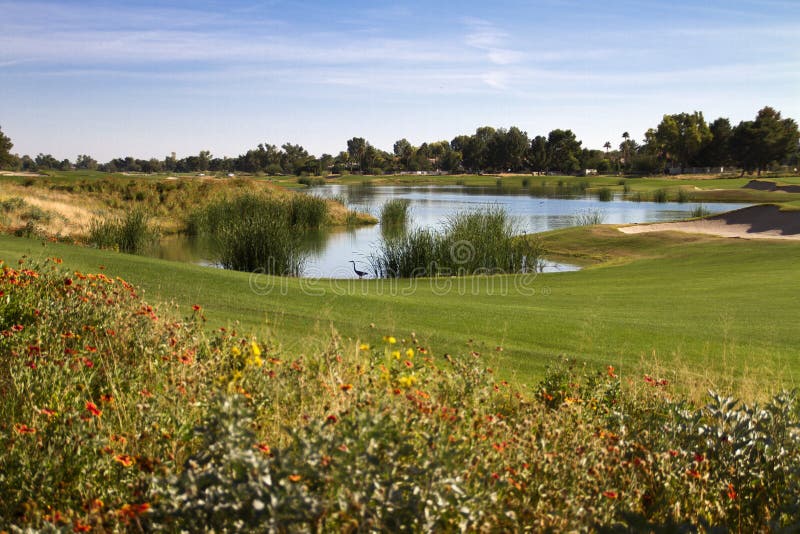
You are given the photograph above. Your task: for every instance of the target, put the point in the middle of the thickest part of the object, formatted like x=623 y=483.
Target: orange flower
x=92 y=407
x=130 y=511
x=346 y=387
x=610 y=494
x=107 y=397
x=731 y=492
x=47 y=411
x=124 y=459
x=77 y=526
x=610 y=371
x=295 y=478
x=22 y=428
x=263 y=447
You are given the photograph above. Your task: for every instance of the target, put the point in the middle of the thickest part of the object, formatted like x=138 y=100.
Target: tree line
x=680 y=140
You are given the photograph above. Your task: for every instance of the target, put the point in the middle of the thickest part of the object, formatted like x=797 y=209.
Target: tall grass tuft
x=257 y=233
x=660 y=195
x=700 y=211
x=683 y=196
x=133 y=233
x=395 y=212
x=483 y=242
x=589 y=217
x=605 y=194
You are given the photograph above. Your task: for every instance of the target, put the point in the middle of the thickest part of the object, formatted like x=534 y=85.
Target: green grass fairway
x=711 y=310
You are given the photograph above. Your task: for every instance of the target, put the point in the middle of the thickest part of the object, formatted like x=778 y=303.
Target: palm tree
x=607 y=146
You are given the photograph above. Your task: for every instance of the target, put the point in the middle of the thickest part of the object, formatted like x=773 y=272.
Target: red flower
x=92 y=407
x=81 y=527
x=731 y=492
x=332 y=418
x=68 y=281
x=196 y=307
x=107 y=397
x=346 y=387
x=263 y=447
x=693 y=473
x=47 y=411
x=610 y=494
x=610 y=371
x=22 y=428
x=698 y=457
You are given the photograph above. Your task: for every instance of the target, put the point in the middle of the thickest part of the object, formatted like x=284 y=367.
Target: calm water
x=431 y=205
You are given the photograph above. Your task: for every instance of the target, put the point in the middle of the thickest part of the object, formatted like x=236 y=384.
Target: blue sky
x=148 y=78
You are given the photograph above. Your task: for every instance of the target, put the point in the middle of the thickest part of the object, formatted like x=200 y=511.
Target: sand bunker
x=766 y=185
x=755 y=222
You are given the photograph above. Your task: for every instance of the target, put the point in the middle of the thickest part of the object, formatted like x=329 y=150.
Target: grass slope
x=717 y=312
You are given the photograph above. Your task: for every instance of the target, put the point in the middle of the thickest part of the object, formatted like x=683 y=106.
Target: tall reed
x=133 y=233
x=482 y=242
x=253 y=232
x=395 y=212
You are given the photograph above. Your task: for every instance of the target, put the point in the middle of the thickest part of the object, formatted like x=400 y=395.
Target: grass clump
x=700 y=211
x=682 y=196
x=395 y=212
x=604 y=194
x=589 y=217
x=660 y=196
x=482 y=242
x=258 y=233
x=132 y=233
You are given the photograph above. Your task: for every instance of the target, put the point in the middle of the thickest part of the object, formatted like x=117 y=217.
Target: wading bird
x=361 y=274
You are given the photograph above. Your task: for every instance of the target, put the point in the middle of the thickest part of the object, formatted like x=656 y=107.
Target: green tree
x=537 y=154
x=85 y=162
x=357 y=149
x=755 y=145
x=563 y=151
x=403 y=150
x=6 y=158
x=717 y=152
x=683 y=136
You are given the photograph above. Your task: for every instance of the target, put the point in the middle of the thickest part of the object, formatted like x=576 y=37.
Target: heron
x=360 y=274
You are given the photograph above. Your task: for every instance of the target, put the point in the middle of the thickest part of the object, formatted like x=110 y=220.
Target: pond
x=331 y=251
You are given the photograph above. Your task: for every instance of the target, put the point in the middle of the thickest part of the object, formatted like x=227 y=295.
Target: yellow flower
x=255 y=360
x=254 y=349
x=236 y=352
x=407 y=381
x=396 y=354
x=390 y=340
x=363 y=346
x=410 y=353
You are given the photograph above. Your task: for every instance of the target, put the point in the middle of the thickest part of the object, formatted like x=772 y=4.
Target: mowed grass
x=708 y=312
